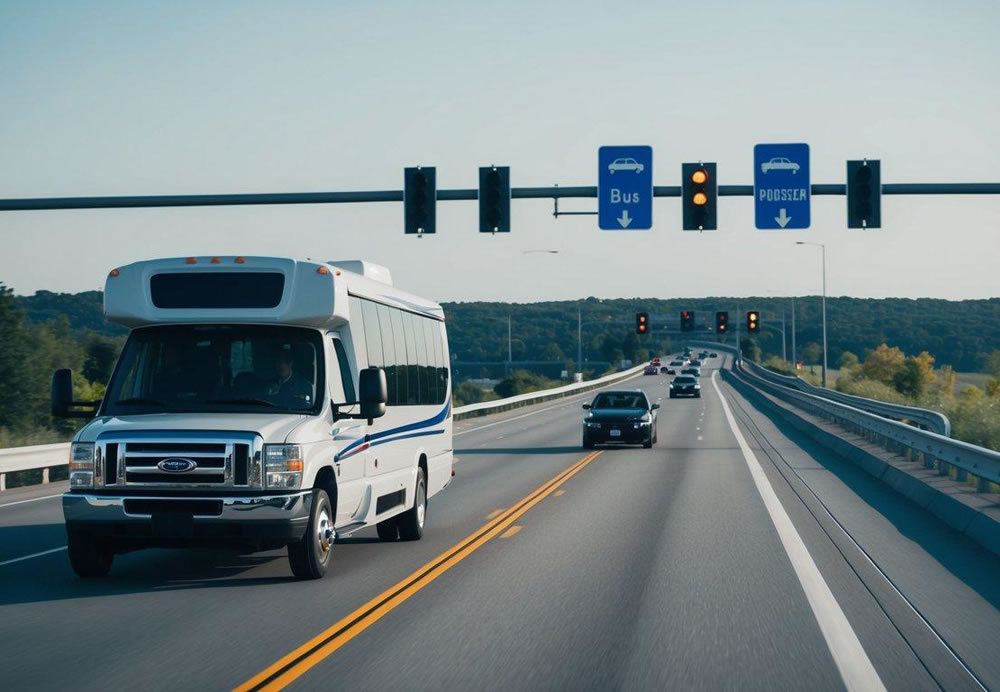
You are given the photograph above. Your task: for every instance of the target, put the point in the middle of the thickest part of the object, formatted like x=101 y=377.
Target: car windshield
x=619 y=400
x=684 y=380
x=212 y=368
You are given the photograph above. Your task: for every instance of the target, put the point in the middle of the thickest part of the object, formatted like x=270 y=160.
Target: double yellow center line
x=296 y=663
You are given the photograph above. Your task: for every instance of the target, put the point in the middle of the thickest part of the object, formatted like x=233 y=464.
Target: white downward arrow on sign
x=782 y=218
x=624 y=219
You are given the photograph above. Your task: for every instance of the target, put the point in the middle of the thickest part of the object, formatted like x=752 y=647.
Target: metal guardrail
x=487 y=407
x=48 y=456
x=32 y=458
x=932 y=449
x=934 y=421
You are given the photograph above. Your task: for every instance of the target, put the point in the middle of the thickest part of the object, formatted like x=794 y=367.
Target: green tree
x=100 y=357
x=811 y=353
x=848 y=361
x=16 y=376
x=750 y=348
x=992 y=363
x=883 y=364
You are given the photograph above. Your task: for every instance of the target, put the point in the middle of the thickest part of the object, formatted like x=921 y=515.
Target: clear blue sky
x=208 y=97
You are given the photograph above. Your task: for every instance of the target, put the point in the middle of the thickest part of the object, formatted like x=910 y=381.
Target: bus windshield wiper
x=254 y=402
x=139 y=401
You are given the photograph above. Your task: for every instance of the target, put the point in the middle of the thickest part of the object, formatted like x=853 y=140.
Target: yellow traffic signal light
x=699 y=176
x=700 y=198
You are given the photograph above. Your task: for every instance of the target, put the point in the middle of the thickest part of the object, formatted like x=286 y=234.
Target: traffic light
x=641 y=322
x=864 y=194
x=753 y=322
x=494 y=199
x=419 y=200
x=721 y=322
x=699 y=192
x=687 y=320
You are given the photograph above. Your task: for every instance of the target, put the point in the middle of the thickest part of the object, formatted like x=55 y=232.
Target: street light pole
x=823 y=248
x=795 y=362
x=579 y=339
x=510 y=357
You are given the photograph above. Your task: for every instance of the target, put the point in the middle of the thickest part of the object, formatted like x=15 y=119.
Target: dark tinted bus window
x=430 y=365
x=424 y=396
x=402 y=367
x=347 y=381
x=413 y=377
x=389 y=352
x=217 y=290
x=372 y=334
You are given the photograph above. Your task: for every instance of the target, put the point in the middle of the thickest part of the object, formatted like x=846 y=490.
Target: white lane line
x=34 y=499
x=28 y=557
x=856 y=669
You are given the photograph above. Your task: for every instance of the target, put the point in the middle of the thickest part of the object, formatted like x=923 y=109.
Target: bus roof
x=267 y=290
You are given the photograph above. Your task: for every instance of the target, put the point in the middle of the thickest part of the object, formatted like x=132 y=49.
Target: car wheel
x=309 y=557
x=388 y=530
x=648 y=444
x=88 y=557
x=697 y=395
x=587 y=443
x=411 y=522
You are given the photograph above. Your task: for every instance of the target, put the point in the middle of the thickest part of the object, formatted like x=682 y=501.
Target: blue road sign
x=781 y=189
x=625 y=188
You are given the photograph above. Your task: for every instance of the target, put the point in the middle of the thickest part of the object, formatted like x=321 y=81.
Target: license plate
x=616 y=433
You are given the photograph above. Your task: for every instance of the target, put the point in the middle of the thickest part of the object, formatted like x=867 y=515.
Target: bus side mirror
x=61 y=396
x=62 y=392
x=373 y=393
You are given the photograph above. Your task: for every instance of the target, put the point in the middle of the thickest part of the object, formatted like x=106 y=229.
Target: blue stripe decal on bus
x=369 y=440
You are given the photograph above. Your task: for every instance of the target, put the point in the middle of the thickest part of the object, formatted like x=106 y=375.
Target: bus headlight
x=283 y=466
x=81 y=465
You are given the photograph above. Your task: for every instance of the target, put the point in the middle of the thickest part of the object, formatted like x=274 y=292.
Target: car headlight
x=592 y=424
x=283 y=466
x=81 y=465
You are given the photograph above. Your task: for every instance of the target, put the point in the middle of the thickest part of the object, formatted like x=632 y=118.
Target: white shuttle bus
x=258 y=403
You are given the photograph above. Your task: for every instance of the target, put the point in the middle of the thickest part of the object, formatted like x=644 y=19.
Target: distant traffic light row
x=687 y=322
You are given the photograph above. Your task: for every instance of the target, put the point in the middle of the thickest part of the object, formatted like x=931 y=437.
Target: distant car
x=677 y=361
x=625 y=165
x=713 y=354
x=664 y=369
x=696 y=363
x=685 y=385
x=670 y=370
x=650 y=370
x=620 y=417
x=779 y=163
x=691 y=371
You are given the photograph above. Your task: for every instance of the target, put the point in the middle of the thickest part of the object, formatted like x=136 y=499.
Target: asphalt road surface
x=732 y=555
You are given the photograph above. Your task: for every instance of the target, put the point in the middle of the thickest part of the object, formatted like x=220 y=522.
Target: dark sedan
x=691 y=371
x=685 y=385
x=620 y=417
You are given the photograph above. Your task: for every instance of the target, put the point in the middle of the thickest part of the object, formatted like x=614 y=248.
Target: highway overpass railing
x=933 y=449
x=486 y=407
x=46 y=457
x=927 y=419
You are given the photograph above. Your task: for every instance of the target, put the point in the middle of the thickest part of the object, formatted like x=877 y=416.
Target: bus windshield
x=218 y=368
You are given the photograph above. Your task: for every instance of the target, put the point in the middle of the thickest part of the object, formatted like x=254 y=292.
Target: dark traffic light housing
x=721 y=322
x=641 y=322
x=753 y=321
x=699 y=196
x=864 y=194
x=420 y=200
x=687 y=320
x=494 y=199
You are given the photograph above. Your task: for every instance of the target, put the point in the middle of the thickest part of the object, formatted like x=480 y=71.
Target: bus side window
x=341 y=382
